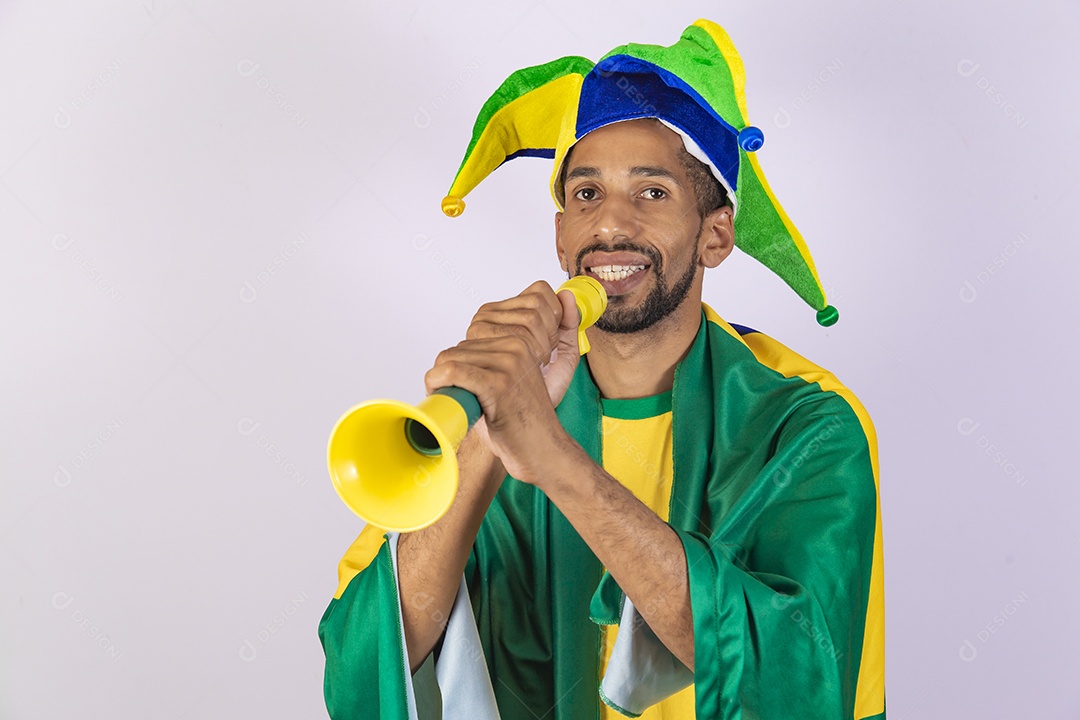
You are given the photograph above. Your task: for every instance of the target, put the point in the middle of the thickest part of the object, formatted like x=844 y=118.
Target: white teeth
x=612 y=273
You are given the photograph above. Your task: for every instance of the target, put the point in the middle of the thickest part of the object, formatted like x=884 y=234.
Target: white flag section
x=641 y=671
x=457 y=687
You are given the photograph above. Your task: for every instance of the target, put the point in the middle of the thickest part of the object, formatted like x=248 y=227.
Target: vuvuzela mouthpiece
x=591 y=301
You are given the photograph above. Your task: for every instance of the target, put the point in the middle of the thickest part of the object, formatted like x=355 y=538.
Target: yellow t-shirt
x=637 y=453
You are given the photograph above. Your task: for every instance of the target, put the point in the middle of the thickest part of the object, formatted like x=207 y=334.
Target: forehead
x=628 y=143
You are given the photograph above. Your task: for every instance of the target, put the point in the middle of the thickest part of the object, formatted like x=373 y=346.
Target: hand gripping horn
x=395 y=465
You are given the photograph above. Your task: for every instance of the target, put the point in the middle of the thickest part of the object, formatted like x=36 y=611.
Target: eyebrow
x=653 y=171
x=637 y=170
x=582 y=171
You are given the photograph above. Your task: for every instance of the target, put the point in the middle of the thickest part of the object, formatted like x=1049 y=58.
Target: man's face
x=631 y=221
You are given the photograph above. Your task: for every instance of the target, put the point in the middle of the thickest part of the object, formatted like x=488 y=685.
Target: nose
x=615 y=219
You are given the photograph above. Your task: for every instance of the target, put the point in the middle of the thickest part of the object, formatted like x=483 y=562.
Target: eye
x=586 y=194
x=656 y=193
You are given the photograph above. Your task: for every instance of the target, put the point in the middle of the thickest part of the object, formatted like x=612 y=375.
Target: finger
x=539 y=290
x=531 y=312
x=544 y=290
x=570 y=321
x=568 y=312
x=485 y=330
x=492 y=383
x=541 y=297
x=507 y=356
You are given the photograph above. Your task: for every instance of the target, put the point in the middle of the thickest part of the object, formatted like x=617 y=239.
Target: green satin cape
x=775 y=502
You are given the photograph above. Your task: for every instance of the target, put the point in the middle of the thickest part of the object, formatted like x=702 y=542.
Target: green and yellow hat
x=695 y=87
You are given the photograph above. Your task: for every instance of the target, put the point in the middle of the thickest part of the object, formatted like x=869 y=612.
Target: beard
x=657 y=305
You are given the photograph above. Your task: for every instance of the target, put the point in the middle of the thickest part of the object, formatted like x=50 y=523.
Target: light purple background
x=220 y=229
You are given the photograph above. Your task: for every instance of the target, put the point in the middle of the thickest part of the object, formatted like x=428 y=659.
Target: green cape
x=775 y=500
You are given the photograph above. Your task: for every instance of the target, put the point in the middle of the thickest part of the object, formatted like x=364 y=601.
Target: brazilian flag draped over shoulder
x=775 y=499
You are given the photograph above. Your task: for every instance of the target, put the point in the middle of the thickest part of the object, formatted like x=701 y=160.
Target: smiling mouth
x=614 y=273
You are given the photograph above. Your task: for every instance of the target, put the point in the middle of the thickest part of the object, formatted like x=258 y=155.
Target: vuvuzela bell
x=395 y=464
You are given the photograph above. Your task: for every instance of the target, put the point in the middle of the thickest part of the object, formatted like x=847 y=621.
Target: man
x=684 y=522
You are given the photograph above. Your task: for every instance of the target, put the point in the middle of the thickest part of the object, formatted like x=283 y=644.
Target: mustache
x=654 y=257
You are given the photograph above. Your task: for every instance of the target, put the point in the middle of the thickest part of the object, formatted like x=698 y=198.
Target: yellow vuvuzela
x=395 y=464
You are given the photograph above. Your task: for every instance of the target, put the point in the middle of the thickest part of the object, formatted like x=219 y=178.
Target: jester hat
x=695 y=87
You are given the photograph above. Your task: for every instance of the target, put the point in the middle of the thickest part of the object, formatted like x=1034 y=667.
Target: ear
x=558 y=242
x=717 y=238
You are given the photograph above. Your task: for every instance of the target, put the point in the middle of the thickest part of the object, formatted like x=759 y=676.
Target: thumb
x=560 y=372
x=568 y=325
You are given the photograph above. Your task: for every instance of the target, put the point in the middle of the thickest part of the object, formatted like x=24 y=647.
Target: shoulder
x=818 y=390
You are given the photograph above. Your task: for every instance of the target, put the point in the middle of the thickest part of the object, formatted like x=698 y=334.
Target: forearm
x=431 y=560
x=642 y=552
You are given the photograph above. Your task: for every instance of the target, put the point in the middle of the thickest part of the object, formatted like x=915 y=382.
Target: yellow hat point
x=453 y=206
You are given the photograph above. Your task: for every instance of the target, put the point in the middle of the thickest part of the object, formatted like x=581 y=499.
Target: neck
x=634 y=365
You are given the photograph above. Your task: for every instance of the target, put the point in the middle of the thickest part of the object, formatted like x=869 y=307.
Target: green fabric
x=361 y=637
x=781 y=531
x=636 y=408
x=615 y=705
x=774 y=501
x=763 y=236
x=605 y=607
